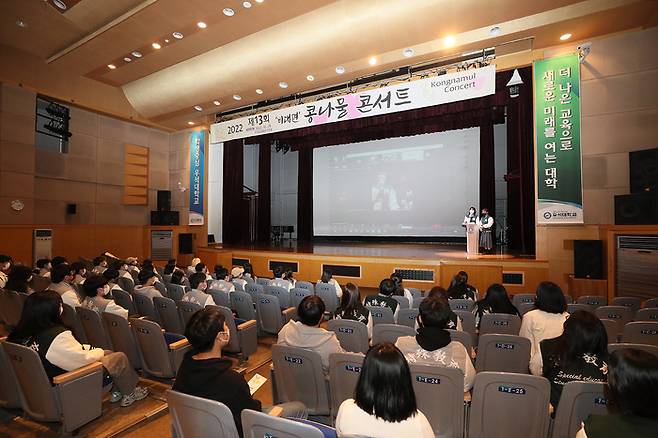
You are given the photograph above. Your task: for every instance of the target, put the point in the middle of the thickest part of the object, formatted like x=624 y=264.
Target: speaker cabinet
x=164 y=218
x=164 y=200
x=644 y=171
x=185 y=243
x=588 y=259
x=71 y=208
x=636 y=209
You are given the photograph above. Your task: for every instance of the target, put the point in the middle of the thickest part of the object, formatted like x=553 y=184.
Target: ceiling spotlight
x=216 y=102
x=137 y=54
x=283 y=84
x=259 y=91
x=127 y=59
x=246 y=4
x=565 y=37
x=310 y=78
x=449 y=41
x=201 y=25
x=156 y=46
x=111 y=66
x=237 y=97
x=177 y=35
x=21 y=23
x=228 y=12
x=166 y=41
x=408 y=53
x=372 y=60
x=340 y=69
x=60 y=4
x=495 y=31
x=260 y=1
x=198 y=108
x=190 y=123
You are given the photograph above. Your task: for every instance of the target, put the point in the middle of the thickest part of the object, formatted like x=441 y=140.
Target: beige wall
x=89 y=175
x=619 y=86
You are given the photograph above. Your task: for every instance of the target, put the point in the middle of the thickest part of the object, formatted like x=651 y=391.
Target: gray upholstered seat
x=352 y=335
x=168 y=315
x=122 y=337
x=578 y=401
x=94 y=329
x=508 y=353
x=159 y=359
x=501 y=323
x=390 y=332
x=193 y=417
x=344 y=370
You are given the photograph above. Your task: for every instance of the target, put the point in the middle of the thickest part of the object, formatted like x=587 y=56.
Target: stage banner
x=436 y=90
x=196 y=178
x=557 y=127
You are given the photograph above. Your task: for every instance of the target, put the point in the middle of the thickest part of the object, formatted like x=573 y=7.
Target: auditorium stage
x=367 y=263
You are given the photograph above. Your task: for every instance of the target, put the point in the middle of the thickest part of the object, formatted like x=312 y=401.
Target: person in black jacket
x=205 y=373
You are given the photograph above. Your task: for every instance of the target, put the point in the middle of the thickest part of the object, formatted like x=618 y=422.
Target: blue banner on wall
x=196 y=178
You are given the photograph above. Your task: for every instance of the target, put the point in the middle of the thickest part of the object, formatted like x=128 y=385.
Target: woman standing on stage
x=486 y=235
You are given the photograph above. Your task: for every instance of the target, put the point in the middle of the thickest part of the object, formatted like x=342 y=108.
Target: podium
x=472 y=238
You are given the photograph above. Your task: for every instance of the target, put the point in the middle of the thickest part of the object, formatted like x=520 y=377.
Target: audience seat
x=10 y=397
x=415 y=292
x=126 y=284
x=270 y=315
x=407 y=317
x=568 y=298
x=468 y=323
x=297 y=295
x=620 y=314
x=9 y=313
x=122 y=337
x=73 y=399
x=281 y=293
x=220 y=298
x=176 y=292
x=647 y=315
x=145 y=307
x=352 y=335
x=584 y=307
x=381 y=315
x=327 y=292
x=390 y=333
x=612 y=329
x=124 y=299
x=461 y=304
x=650 y=303
x=509 y=405
x=158 y=358
x=500 y=323
x=39 y=283
x=578 y=401
x=94 y=329
x=161 y=288
x=417 y=301
x=440 y=396
x=462 y=337
x=243 y=338
x=305 y=285
x=641 y=332
x=297 y=376
x=168 y=315
x=633 y=303
x=243 y=304
x=524 y=308
x=508 y=353
x=519 y=299
x=344 y=370
x=238 y=286
x=263 y=281
x=592 y=300
x=260 y=425
x=193 y=417
x=71 y=320
x=253 y=289
x=403 y=302
x=653 y=349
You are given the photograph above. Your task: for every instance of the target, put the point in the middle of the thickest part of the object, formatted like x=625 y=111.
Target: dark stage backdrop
x=482 y=112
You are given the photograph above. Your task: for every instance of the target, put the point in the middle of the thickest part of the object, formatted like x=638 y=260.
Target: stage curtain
x=487 y=167
x=264 y=192
x=234 y=214
x=305 y=194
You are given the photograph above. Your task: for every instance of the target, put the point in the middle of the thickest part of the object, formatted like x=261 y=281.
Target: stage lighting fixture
x=137 y=54
x=565 y=36
x=21 y=23
x=372 y=61
x=449 y=41
x=228 y=12
x=246 y=5
x=177 y=35
x=111 y=66
x=190 y=123
x=60 y=4
x=310 y=78
x=283 y=84
x=259 y=91
x=156 y=46
x=127 y=59
x=408 y=53
x=201 y=25
x=198 y=108
x=340 y=69
x=216 y=102
x=237 y=97
x=514 y=84
x=495 y=31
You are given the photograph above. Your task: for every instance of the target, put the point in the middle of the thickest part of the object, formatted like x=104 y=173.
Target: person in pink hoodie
x=307 y=334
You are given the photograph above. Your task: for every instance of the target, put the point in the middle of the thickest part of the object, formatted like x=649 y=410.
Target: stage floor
x=424 y=251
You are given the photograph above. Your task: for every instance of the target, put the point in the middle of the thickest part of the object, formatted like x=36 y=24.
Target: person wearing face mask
x=5 y=267
x=471 y=217
x=97 y=291
x=486 y=230
x=198 y=293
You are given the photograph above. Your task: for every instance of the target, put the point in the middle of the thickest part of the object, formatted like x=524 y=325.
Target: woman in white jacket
x=41 y=329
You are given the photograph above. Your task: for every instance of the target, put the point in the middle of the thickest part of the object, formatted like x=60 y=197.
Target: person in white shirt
x=279 y=281
x=327 y=277
x=198 y=295
x=100 y=264
x=237 y=274
x=223 y=281
x=546 y=321
x=201 y=268
x=41 y=329
x=192 y=268
x=133 y=265
x=432 y=344
x=80 y=271
x=306 y=333
x=384 y=403
x=62 y=278
x=146 y=288
x=111 y=275
x=96 y=290
x=44 y=266
x=5 y=267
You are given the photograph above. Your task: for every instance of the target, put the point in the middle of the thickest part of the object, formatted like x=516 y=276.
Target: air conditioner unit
x=636 y=273
x=42 y=244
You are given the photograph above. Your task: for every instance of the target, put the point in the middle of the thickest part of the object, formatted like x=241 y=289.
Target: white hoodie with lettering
x=297 y=334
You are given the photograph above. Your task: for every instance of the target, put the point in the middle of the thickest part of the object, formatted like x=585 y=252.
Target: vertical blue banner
x=196 y=178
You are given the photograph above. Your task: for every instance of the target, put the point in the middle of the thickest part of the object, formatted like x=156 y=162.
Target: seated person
x=133 y=264
x=41 y=329
x=237 y=274
x=122 y=267
x=578 y=354
x=111 y=275
x=97 y=290
x=496 y=300
x=432 y=344
x=19 y=279
x=201 y=267
x=5 y=267
x=100 y=264
x=384 y=403
x=249 y=272
x=307 y=333
x=198 y=295
x=178 y=277
x=351 y=307
x=80 y=271
x=633 y=393
x=288 y=275
x=460 y=289
x=327 y=277
x=192 y=268
x=146 y=286
x=148 y=264
x=169 y=267
x=279 y=281
x=400 y=289
x=386 y=289
x=205 y=373
x=223 y=281
x=455 y=322
x=62 y=276
x=43 y=267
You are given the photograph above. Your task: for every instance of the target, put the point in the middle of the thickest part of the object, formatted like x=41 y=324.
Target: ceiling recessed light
x=372 y=60
x=260 y=1
x=127 y=59
x=340 y=69
x=156 y=46
x=177 y=35
x=310 y=78
x=166 y=41
x=237 y=97
x=137 y=54
x=201 y=25
x=283 y=84
x=259 y=91
x=216 y=102
x=449 y=41
x=495 y=31
x=408 y=53
x=190 y=123
x=60 y=4
x=228 y=12
x=198 y=108
x=246 y=4
x=21 y=23
x=565 y=37
x=111 y=66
